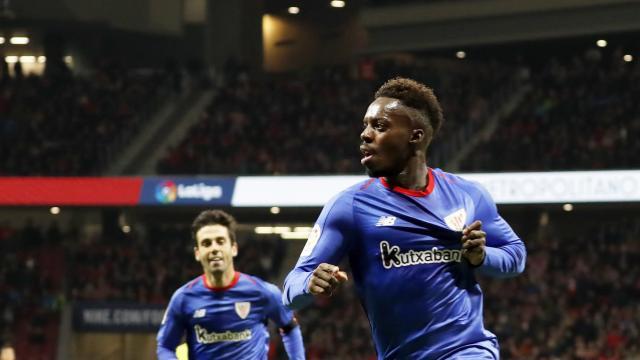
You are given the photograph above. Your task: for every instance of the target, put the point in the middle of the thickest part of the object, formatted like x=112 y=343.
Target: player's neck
x=220 y=280
x=413 y=177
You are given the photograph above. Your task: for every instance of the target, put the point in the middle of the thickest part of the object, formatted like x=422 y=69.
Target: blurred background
x=121 y=120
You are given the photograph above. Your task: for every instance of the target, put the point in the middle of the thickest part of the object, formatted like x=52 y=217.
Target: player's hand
x=473 y=243
x=325 y=279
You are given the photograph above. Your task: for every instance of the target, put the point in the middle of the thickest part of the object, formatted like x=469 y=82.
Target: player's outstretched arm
x=315 y=272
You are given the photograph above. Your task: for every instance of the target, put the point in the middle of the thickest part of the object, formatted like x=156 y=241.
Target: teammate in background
x=7 y=352
x=415 y=237
x=224 y=312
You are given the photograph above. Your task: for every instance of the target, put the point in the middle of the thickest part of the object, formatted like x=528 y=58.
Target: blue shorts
x=484 y=350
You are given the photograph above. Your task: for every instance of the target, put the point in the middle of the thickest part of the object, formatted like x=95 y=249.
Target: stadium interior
x=204 y=104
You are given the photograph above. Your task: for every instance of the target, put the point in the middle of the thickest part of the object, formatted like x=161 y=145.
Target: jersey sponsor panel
x=392 y=256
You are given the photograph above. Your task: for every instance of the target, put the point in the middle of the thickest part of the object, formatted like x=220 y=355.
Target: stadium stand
x=74 y=124
x=31 y=289
x=568 y=306
x=297 y=125
x=582 y=114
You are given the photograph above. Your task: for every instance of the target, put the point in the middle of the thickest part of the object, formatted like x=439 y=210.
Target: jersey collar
x=234 y=281
x=418 y=193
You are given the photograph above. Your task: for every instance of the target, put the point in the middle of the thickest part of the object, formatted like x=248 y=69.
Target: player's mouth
x=367 y=154
x=216 y=261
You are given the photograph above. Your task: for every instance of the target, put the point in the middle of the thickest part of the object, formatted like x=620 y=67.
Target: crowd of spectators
x=31 y=289
x=295 y=124
x=581 y=114
x=70 y=124
x=579 y=297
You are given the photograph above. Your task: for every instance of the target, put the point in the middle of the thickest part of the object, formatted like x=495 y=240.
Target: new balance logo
x=392 y=257
x=199 y=313
x=386 y=221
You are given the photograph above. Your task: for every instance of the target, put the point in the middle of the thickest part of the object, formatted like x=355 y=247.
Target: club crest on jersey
x=243 y=308
x=456 y=220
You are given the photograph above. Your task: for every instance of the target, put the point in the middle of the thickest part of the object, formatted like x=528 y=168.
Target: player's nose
x=366 y=135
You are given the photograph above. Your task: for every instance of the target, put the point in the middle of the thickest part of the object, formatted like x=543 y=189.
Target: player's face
x=215 y=250
x=386 y=136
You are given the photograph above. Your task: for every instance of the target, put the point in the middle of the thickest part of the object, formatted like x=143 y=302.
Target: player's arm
x=287 y=323
x=171 y=329
x=292 y=340
x=316 y=272
x=490 y=243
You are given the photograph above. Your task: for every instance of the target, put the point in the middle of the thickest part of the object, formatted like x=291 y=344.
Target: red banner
x=54 y=191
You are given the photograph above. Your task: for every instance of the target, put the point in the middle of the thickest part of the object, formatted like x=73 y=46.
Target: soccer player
x=415 y=238
x=224 y=312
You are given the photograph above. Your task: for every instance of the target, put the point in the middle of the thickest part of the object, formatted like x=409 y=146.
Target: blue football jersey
x=404 y=249
x=222 y=323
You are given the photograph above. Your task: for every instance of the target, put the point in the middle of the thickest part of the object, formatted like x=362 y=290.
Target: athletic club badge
x=243 y=309
x=456 y=220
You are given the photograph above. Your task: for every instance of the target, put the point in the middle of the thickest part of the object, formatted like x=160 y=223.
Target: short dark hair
x=214 y=217
x=415 y=95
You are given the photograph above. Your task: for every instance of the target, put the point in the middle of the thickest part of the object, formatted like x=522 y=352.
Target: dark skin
x=394 y=145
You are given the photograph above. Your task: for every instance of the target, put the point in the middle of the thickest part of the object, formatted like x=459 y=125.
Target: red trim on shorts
x=234 y=281
x=428 y=190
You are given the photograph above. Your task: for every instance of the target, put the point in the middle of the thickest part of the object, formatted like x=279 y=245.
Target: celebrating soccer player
x=415 y=237
x=224 y=312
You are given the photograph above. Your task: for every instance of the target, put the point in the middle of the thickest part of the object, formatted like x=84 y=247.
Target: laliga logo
x=166 y=192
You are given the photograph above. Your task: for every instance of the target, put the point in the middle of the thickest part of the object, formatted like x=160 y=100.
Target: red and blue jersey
x=404 y=250
x=222 y=323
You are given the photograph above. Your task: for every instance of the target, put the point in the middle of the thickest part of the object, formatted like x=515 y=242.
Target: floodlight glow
x=27 y=59
x=19 y=40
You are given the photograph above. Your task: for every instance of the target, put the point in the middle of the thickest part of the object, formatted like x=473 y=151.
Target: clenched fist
x=473 y=242
x=325 y=279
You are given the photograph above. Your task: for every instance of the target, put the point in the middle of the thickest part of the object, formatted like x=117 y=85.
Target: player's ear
x=196 y=253
x=234 y=249
x=417 y=136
